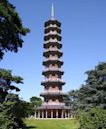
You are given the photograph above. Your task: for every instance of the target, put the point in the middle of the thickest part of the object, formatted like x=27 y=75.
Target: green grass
x=51 y=124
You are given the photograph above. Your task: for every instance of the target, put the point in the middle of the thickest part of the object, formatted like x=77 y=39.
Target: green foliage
x=93 y=119
x=11 y=108
x=11 y=113
x=35 y=101
x=91 y=99
x=6 y=83
x=93 y=92
x=27 y=109
x=31 y=106
x=11 y=28
x=73 y=99
x=11 y=32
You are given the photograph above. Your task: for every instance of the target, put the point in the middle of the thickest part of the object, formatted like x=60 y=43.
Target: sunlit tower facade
x=53 y=105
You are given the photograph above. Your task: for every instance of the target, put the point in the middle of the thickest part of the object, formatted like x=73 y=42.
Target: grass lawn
x=51 y=124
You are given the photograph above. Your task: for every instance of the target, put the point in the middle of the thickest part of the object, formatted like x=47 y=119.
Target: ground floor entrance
x=52 y=113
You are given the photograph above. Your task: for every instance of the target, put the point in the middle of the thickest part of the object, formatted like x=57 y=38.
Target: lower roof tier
x=57 y=61
x=48 y=52
x=53 y=72
x=53 y=107
x=53 y=94
x=52 y=83
x=48 y=44
x=52 y=28
x=53 y=36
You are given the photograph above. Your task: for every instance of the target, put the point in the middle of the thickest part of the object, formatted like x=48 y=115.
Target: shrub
x=93 y=119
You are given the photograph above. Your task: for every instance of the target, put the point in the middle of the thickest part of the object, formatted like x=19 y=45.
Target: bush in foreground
x=93 y=119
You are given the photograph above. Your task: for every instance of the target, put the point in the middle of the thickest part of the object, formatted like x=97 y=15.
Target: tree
x=34 y=102
x=93 y=119
x=90 y=100
x=93 y=92
x=7 y=81
x=11 y=28
x=11 y=113
x=11 y=32
x=29 y=108
x=73 y=100
x=25 y=108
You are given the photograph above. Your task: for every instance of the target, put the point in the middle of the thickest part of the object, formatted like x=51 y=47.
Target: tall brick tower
x=53 y=105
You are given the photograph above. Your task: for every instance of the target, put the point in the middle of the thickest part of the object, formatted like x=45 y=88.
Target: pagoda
x=53 y=105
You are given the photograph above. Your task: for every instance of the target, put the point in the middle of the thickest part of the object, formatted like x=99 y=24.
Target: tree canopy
x=11 y=113
x=34 y=103
x=11 y=32
x=11 y=28
x=89 y=101
x=93 y=92
x=7 y=81
x=93 y=119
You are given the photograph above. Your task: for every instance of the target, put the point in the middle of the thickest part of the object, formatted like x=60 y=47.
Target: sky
x=83 y=38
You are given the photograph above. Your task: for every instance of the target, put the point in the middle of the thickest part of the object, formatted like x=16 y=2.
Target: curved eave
x=47 y=30
x=47 y=45
x=53 y=72
x=53 y=62
x=47 y=23
x=53 y=94
x=52 y=83
x=52 y=36
x=52 y=52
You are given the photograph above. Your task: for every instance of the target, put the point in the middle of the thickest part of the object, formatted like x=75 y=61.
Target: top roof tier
x=53 y=22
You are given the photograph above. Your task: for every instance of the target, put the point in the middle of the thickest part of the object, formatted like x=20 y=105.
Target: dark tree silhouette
x=11 y=28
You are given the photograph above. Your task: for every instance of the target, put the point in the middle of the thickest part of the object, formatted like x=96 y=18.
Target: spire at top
x=52 y=12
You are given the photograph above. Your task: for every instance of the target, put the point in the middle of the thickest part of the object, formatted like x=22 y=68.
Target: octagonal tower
x=53 y=105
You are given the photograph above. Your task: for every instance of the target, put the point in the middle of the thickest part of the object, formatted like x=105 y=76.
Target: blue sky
x=84 y=41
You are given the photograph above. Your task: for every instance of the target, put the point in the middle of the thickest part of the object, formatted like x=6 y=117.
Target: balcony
x=53 y=70
x=52 y=51
x=54 y=81
x=57 y=29
x=52 y=33
x=53 y=94
x=51 y=25
x=52 y=40
x=53 y=103
x=52 y=58
x=53 y=91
